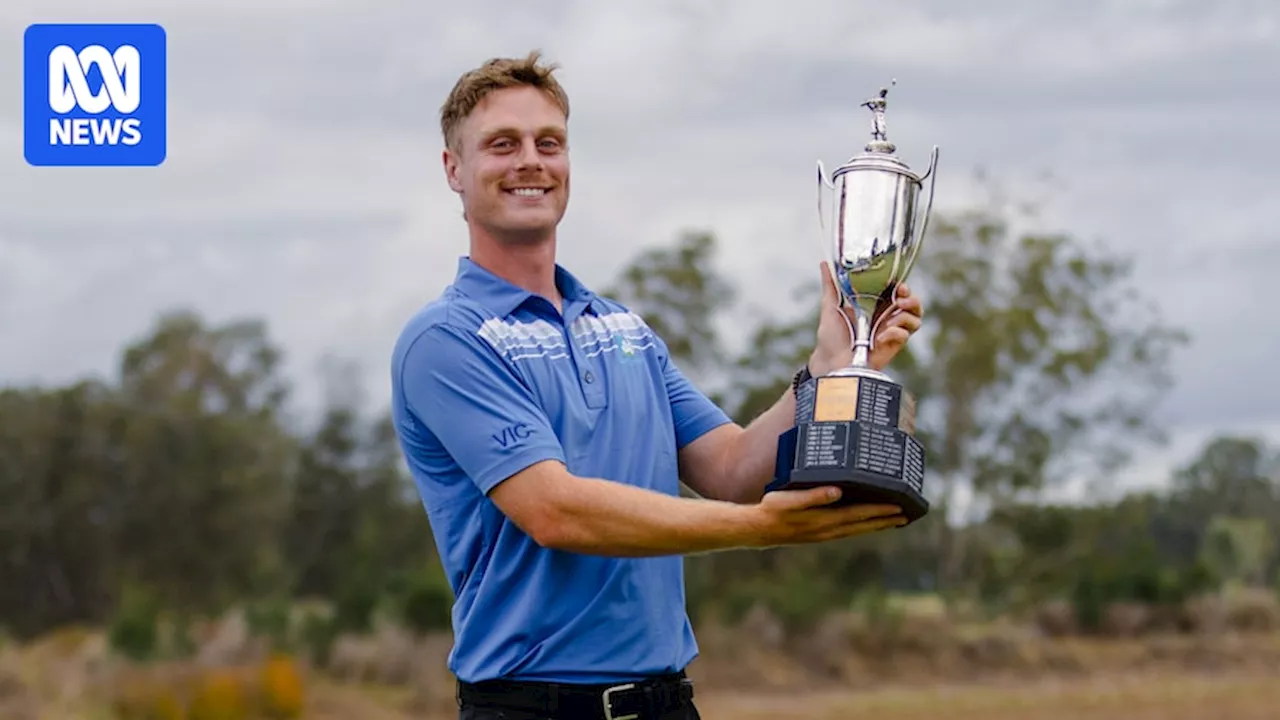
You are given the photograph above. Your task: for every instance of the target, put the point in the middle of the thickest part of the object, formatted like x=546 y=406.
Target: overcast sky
x=303 y=181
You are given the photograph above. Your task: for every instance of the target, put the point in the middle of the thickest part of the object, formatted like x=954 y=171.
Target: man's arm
x=599 y=517
x=466 y=396
x=733 y=463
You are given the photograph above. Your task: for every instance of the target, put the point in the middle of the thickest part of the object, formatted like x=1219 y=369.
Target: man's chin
x=527 y=232
x=529 y=223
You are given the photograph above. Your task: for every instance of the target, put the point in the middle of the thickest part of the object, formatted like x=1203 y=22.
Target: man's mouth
x=528 y=191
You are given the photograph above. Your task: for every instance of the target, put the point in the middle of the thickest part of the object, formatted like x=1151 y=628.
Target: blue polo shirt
x=489 y=379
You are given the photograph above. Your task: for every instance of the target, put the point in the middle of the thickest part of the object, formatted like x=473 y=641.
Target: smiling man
x=547 y=429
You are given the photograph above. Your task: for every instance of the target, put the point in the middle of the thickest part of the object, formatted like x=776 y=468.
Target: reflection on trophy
x=855 y=427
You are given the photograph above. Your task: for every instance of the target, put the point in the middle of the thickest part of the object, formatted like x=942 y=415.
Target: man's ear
x=450 y=162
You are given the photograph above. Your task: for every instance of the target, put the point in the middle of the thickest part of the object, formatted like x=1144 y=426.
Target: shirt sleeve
x=693 y=412
x=483 y=415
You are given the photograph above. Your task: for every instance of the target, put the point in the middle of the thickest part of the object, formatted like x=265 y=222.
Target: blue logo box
x=94 y=95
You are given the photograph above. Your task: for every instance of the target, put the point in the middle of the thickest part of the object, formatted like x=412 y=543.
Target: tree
x=58 y=452
x=1030 y=369
x=201 y=488
x=679 y=294
x=170 y=481
x=1232 y=475
x=1238 y=549
x=1225 y=505
x=324 y=504
x=1040 y=362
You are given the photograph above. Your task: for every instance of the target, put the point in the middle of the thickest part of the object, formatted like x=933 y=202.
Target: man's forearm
x=750 y=460
x=600 y=517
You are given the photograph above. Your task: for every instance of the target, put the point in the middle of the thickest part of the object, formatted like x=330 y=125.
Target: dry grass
x=923 y=667
x=1162 y=697
x=1176 y=696
x=1165 y=696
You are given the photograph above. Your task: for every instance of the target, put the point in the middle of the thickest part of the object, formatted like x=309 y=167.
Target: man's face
x=512 y=168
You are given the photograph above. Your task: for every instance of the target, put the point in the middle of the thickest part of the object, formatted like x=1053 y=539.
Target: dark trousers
x=665 y=698
x=688 y=712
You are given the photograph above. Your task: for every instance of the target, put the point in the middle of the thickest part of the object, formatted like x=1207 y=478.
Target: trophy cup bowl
x=855 y=426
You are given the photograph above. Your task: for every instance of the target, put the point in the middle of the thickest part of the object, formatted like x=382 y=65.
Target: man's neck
x=531 y=265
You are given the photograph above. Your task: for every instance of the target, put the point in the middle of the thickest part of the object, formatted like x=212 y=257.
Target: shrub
x=179 y=642
x=799 y=603
x=318 y=632
x=1089 y=597
x=270 y=619
x=283 y=693
x=143 y=695
x=133 y=632
x=354 y=605
x=427 y=602
x=161 y=704
x=220 y=695
x=1253 y=610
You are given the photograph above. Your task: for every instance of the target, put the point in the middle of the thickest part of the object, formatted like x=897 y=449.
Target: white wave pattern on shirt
x=623 y=331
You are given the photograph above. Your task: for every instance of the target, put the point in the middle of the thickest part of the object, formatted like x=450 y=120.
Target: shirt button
x=588 y=377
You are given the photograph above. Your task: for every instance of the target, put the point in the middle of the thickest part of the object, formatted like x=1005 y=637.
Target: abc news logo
x=121 y=90
x=95 y=95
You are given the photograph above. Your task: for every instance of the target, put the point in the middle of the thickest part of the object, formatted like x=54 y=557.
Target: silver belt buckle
x=606 y=698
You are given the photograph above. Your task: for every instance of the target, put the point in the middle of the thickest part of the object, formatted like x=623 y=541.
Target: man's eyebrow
x=552 y=130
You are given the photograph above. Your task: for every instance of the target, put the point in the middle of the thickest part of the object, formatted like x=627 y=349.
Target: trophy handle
x=928 y=210
x=824 y=239
x=823 y=182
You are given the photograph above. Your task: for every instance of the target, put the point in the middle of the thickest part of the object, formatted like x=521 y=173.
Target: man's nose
x=529 y=155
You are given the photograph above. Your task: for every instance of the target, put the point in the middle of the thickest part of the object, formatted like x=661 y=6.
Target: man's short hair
x=496 y=74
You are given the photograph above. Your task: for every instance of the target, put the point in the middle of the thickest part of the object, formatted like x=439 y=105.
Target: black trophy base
x=855 y=433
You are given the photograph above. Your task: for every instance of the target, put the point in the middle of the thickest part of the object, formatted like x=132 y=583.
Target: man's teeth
x=529 y=192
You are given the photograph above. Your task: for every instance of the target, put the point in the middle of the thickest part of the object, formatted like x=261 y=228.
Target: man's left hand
x=834 y=348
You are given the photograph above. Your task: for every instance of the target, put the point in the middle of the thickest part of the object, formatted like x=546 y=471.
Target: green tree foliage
x=1039 y=356
x=425 y=602
x=679 y=293
x=1238 y=549
x=134 y=631
x=183 y=480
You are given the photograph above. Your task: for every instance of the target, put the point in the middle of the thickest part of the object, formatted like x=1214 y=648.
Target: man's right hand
x=794 y=517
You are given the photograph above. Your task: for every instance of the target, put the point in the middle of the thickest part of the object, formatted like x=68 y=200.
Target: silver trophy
x=855 y=427
x=878 y=230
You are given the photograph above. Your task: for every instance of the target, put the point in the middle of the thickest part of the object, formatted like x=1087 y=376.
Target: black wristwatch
x=802 y=376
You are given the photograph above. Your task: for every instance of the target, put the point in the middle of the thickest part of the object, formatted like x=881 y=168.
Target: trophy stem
x=860 y=331
x=861 y=340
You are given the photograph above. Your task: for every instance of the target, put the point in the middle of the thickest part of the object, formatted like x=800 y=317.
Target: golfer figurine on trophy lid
x=855 y=427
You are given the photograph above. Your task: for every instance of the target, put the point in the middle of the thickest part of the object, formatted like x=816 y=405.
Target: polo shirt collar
x=502 y=298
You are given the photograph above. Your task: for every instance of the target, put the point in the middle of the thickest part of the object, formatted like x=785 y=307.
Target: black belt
x=626 y=701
